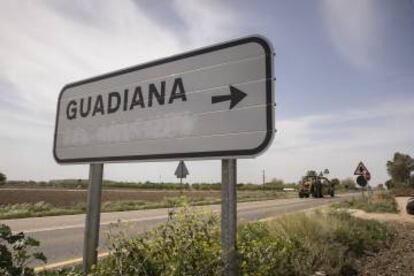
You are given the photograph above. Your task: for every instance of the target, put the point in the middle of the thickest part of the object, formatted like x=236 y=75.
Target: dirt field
x=62 y=198
x=397 y=260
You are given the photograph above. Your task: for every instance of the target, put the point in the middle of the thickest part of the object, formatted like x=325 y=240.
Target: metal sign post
x=91 y=238
x=229 y=216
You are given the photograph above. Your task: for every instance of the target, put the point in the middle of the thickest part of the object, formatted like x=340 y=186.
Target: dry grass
x=380 y=202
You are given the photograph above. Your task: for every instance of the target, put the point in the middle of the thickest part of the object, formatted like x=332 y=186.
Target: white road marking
x=82 y=225
x=73 y=226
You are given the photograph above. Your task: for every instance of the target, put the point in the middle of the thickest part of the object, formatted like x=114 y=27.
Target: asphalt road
x=61 y=237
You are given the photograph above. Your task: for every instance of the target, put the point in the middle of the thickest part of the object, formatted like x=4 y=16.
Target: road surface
x=61 y=237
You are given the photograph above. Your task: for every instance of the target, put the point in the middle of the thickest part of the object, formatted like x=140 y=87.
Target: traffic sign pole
x=91 y=238
x=229 y=216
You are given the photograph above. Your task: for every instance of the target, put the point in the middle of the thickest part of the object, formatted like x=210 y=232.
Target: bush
x=361 y=236
x=188 y=244
x=3 y=178
x=299 y=244
x=16 y=253
x=304 y=244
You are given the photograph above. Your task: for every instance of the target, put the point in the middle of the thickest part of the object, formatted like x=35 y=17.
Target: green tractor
x=316 y=186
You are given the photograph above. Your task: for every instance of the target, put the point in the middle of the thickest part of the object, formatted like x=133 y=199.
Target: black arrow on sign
x=235 y=97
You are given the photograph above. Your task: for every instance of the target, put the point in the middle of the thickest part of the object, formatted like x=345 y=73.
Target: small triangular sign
x=181 y=171
x=361 y=169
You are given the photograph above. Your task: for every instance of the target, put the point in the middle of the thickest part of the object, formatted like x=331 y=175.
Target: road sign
x=210 y=103
x=361 y=169
x=181 y=171
x=361 y=181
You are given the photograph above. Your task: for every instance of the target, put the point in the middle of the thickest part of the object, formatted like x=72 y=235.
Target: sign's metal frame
x=187 y=155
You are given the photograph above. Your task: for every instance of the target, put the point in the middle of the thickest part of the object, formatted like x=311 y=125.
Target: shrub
x=3 y=178
x=188 y=244
x=16 y=253
x=298 y=244
x=361 y=236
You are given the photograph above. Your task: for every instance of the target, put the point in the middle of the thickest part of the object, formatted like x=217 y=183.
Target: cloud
x=354 y=29
x=207 y=21
x=50 y=47
x=340 y=140
x=47 y=44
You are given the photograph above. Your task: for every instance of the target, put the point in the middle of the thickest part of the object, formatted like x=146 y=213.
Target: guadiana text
x=125 y=101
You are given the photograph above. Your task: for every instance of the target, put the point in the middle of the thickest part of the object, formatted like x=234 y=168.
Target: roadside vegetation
x=379 y=202
x=299 y=244
x=328 y=243
x=17 y=251
x=39 y=209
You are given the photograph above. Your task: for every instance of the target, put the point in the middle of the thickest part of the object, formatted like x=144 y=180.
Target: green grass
x=298 y=244
x=39 y=209
x=380 y=202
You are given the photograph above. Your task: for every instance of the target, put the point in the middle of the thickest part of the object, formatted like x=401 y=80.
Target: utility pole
x=264 y=176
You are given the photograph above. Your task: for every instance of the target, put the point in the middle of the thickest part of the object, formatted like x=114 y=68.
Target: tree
x=3 y=178
x=335 y=182
x=311 y=173
x=400 y=169
x=275 y=184
x=348 y=183
x=389 y=184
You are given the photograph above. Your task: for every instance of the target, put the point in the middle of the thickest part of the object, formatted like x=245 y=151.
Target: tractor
x=316 y=186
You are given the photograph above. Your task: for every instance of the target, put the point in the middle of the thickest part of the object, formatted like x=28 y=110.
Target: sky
x=344 y=78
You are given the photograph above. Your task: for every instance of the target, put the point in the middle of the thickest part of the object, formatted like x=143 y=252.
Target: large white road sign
x=210 y=103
